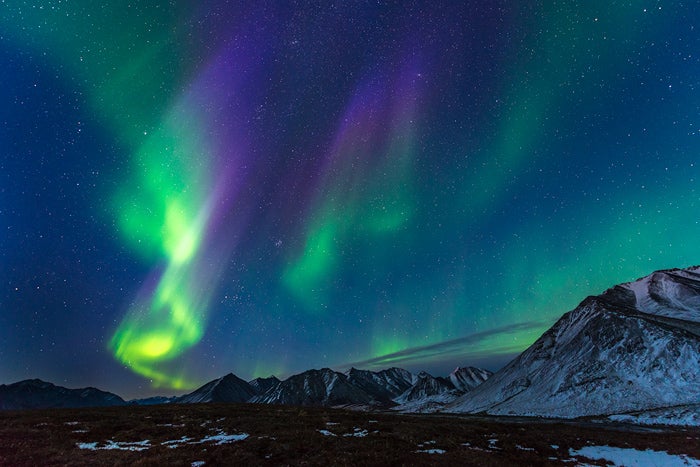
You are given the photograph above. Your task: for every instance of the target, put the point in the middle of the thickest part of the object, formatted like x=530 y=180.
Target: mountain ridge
x=614 y=353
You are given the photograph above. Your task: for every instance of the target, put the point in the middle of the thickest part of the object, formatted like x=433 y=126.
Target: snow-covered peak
x=633 y=348
x=672 y=293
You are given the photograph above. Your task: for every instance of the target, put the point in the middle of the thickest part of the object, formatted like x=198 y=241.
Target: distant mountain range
x=354 y=388
x=38 y=394
x=629 y=354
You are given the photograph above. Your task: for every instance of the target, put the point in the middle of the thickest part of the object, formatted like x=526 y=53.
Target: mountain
x=426 y=386
x=155 y=400
x=383 y=385
x=262 y=385
x=229 y=388
x=467 y=378
x=323 y=387
x=38 y=394
x=634 y=348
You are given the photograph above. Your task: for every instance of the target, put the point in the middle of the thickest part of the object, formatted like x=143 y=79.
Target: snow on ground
x=224 y=438
x=174 y=443
x=633 y=457
x=358 y=433
x=198 y=463
x=326 y=433
x=492 y=442
x=430 y=450
x=220 y=438
x=685 y=415
x=121 y=445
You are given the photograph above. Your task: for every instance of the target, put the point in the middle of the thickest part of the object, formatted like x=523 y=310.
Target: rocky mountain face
x=467 y=378
x=387 y=388
x=38 y=394
x=262 y=385
x=383 y=386
x=229 y=388
x=636 y=347
x=316 y=387
x=426 y=386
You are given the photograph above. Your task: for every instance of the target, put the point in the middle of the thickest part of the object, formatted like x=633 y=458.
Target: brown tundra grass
x=282 y=435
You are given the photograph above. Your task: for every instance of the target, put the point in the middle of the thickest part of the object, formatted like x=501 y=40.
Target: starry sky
x=189 y=189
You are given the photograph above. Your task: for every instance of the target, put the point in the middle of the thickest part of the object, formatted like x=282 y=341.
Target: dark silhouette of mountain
x=38 y=394
x=229 y=388
x=155 y=400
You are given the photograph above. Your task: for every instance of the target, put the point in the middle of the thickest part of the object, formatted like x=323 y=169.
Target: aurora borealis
x=191 y=189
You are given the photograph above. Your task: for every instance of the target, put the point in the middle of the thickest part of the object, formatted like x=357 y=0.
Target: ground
x=226 y=434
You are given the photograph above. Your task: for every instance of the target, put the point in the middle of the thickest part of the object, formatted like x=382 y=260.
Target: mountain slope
x=262 y=385
x=323 y=387
x=425 y=387
x=467 y=378
x=38 y=394
x=635 y=347
x=384 y=385
x=229 y=388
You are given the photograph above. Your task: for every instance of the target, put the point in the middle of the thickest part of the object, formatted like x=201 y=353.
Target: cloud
x=479 y=345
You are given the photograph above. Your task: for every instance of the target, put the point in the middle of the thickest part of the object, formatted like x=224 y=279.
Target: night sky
x=189 y=189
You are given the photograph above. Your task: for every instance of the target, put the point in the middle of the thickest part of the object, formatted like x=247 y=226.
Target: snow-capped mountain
x=262 y=385
x=636 y=347
x=323 y=387
x=426 y=386
x=38 y=394
x=467 y=378
x=383 y=385
x=229 y=388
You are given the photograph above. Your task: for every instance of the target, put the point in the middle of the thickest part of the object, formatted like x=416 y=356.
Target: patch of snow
x=633 y=457
x=198 y=463
x=79 y=431
x=326 y=433
x=554 y=446
x=174 y=443
x=358 y=433
x=117 y=445
x=90 y=446
x=432 y=451
x=332 y=423
x=71 y=423
x=523 y=448
x=224 y=438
